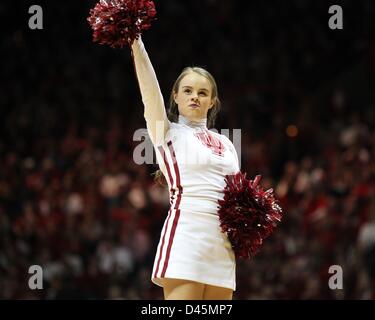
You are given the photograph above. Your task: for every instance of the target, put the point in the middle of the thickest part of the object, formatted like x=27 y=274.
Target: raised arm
x=154 y=109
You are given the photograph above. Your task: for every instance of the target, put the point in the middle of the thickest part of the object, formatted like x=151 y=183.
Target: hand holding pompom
x=119 y=22
x=248 y=214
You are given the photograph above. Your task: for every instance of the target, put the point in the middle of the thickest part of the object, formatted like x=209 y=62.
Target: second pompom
x=248 y=214
x=118 y=23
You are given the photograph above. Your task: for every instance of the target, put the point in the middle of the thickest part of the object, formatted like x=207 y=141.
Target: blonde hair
x=173 y=107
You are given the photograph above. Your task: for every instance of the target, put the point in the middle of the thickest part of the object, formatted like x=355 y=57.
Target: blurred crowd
x=73 y=200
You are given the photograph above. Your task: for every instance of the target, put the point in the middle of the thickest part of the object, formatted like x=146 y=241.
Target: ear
x=175 y=97
x=212 y=103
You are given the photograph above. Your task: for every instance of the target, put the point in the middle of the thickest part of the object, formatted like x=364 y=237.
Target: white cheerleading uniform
x=194 y=161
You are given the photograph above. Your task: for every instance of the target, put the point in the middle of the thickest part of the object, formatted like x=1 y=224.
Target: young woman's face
x=194 y=96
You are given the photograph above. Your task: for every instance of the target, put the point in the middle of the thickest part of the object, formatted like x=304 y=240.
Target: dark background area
x=73 y=200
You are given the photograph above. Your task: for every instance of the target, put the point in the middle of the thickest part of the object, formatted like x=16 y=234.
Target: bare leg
x=177 y=289
x=217 y=293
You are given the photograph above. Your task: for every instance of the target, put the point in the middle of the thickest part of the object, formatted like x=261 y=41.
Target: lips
x=194 y=106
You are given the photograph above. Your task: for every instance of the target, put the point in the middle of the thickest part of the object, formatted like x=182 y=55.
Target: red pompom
x=247 y=213
x=119 y=22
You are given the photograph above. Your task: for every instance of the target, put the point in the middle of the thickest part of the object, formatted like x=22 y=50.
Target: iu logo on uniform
x=210 y=141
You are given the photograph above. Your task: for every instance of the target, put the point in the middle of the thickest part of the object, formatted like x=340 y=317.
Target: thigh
x=217 y=293
x=178 y=289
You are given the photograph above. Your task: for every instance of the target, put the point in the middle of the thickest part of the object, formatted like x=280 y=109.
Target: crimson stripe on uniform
x=162 y=243
x=177 y=216
x=162 y=152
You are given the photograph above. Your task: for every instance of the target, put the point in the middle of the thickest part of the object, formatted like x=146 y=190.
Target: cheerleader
x=194 y=258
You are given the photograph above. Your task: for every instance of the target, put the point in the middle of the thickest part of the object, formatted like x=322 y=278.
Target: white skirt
x=192 y=247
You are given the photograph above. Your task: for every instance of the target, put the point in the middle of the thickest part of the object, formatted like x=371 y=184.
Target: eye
x=203 y=93
x=187 y=90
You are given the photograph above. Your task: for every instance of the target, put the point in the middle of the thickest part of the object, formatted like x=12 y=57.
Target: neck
x=200 y=123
